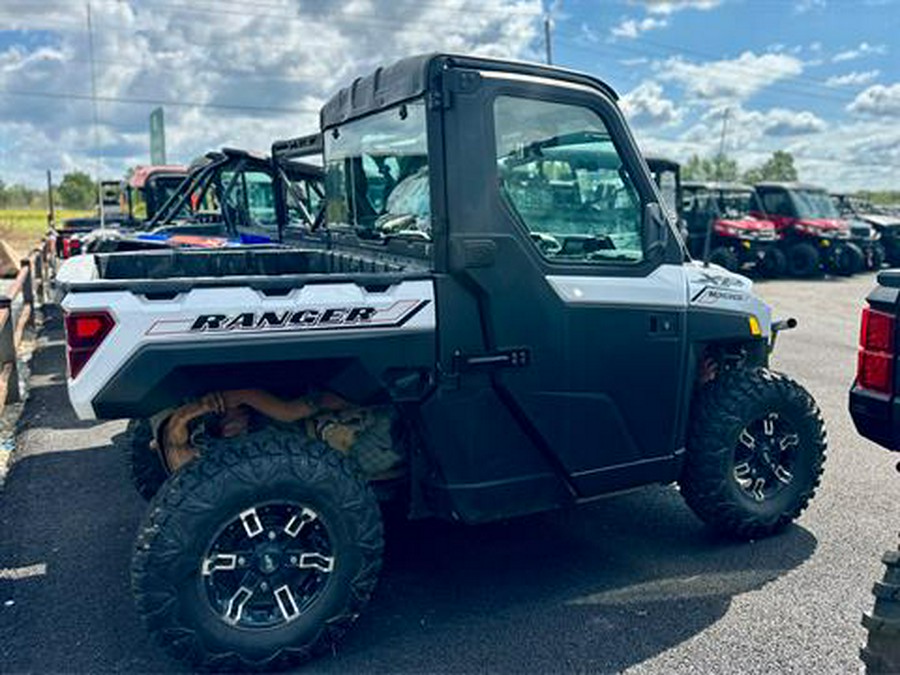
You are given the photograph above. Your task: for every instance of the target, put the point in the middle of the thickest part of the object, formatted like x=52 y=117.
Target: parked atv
x=813 y=236
x=229 y=198
x=886 y=227
x=125 y=206
x=719 y=219
x=534 y=347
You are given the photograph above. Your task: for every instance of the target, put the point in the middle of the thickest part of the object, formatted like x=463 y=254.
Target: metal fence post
x=8 y=351
x=28 y=291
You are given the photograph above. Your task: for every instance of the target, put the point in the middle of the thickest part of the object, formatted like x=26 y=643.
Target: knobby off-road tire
x=752 y=425
x=725 y=257
x=881 y=653
x=803 y=260
x=295 y=515
x=144 y=463
x=847 y=259
x=773 y=264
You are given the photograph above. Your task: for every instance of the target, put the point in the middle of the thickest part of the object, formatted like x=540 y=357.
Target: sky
x=819 y=78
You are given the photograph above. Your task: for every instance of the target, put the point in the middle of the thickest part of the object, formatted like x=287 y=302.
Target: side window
x=260 y=200
x=249 y=199
x=561 y=174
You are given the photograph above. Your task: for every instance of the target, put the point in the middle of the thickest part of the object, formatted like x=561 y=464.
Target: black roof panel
x=408 y=78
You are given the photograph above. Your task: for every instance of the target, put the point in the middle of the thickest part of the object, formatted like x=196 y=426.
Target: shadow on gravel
x=596 y=589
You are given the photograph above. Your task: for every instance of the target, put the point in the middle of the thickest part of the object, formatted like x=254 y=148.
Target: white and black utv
x=502 y=321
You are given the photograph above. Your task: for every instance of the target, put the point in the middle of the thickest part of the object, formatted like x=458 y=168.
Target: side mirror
x=656 y=229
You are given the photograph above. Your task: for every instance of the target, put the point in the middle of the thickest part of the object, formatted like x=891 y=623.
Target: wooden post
x=38 y=272
x=8 y=351
x=28 y=290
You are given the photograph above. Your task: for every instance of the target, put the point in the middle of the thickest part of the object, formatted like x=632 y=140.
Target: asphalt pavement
x=633 y=582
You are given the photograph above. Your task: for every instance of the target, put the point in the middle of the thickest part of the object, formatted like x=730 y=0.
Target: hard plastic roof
x=408 y=78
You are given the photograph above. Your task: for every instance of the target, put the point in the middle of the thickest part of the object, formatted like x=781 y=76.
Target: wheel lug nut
x=241 y=561
x=293 y=560
x=271 y=534
x=264 y=586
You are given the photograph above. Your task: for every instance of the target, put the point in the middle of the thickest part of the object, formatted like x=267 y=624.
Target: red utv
x=813 y=235
x=722 y=228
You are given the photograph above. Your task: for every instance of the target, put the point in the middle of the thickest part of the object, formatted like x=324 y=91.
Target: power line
x=155 y=101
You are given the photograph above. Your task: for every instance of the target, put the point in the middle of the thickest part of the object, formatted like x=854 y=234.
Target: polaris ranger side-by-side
x=503 y=322
x=718 y=217
x=230 y=197
x=813 y=235
x=886 y=227
x=125 y=206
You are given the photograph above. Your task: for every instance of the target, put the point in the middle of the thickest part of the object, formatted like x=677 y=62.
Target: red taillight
x=875 y=365
x=85 y=331
x=877 y=331
x=70 y=247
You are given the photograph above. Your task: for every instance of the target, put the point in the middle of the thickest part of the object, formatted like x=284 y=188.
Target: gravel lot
x=631 y=583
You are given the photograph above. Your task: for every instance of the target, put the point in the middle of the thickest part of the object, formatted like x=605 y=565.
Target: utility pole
x=96 y=117
x=51 y=209
x=721 y=156
x=548 y=44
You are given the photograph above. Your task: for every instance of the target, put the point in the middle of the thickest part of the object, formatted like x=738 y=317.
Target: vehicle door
x=546 y=196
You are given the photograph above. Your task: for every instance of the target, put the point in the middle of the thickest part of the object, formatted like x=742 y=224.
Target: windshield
x=736 y=204
x=814 y=204
x=376 y=174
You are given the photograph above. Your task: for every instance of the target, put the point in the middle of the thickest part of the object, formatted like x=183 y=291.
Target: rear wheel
x=143 y=459
x=773 y=263
x=755 y=453
x=724 y=257
x=881 y=653
x=803 y=260
x=260 y=554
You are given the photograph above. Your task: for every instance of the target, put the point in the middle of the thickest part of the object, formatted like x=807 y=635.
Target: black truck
x=503 y=322
x=875 y=409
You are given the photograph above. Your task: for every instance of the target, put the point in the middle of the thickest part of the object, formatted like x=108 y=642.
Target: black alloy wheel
x=267 y=565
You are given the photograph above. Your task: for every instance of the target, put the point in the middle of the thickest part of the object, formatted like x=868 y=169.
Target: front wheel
x=803 y=260
x=258 y=555
x=755 y=453
x=773 y=263
x=847 y=259
x=723 y=256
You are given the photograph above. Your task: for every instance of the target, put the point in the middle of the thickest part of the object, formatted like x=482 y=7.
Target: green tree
x=718 y=167
x=77 y=191
x=780 y=166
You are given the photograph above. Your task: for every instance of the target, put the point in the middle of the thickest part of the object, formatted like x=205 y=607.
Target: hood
x=747 y=223
x=823 y=223
x=880 y=220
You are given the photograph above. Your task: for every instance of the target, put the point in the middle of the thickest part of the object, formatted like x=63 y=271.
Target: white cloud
x=863 y=49
x=280 y=61
x=854 y=78
x=878 y=100
x=731 y=79
x=645 y=106
x=803 y=6
x=671 y=6
x=631 y=28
